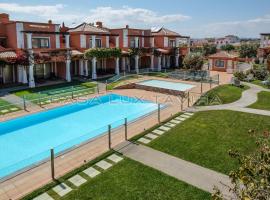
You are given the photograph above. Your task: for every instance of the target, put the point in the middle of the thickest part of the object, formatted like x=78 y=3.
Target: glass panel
x=98 y=43
x=40 y=43
x=35 y=43
x=219 y=63
x=132 y=43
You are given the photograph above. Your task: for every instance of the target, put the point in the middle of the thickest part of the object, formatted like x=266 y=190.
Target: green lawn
x=259 y=83
x=6 y=107
x=263 y=101
x=132 y=180
x=221 y=95
x=48 y=94
x=206 y=137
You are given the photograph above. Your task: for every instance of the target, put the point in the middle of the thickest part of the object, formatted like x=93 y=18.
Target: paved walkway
x=188 y=172
x=18 y=101
x=249 y=97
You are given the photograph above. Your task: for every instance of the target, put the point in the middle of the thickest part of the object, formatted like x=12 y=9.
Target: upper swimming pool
x=28 y=140
x=167 y=85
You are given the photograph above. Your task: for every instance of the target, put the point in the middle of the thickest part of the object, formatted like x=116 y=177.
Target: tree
x=193 y=61
x=209 y=49
x=268 y=62
x=196 y=49
x=248 y=50
x=252 y=179
x=227 y=47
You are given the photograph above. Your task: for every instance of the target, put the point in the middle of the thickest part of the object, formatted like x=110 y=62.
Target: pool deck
x=26 y=182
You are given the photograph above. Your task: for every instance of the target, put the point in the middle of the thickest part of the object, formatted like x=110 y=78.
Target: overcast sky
x=197 y=18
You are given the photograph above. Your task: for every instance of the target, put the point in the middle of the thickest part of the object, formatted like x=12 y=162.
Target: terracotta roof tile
x=223 y=54
x=84 y=27
x=164 y=32
x=7 y=54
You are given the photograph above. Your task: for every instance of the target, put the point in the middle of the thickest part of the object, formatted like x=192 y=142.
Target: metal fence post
x=24 y=103
x=72 y=95
x=210 y=82
x=52 y=164
x=159 y=113
x=39 y=101
x=182 y=103
x=126 y=137
x=97 y=89
x=109 y=136
x=201 y=87
x=188 y=99
x=106 y=85
x=218 y=79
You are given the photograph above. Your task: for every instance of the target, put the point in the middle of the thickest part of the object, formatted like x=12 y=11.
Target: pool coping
x=193 y=86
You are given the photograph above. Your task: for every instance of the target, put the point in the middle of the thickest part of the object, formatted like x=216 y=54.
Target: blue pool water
x=28 y=140
x=167 y=85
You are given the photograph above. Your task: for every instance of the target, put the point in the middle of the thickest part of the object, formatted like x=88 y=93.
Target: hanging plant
x=41 y=58
x=103 y=53
x=134 y=51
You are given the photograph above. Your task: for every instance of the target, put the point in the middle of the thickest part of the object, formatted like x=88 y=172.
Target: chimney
x=4 y=18
x=127 y=26
x=49 y=21
x=99 y=24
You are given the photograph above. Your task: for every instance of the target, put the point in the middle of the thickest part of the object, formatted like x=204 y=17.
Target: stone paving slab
x=91 y=172
x=158 y=132
x=171 y=125
x=164 y=128
x=104 y=164
x=180 y=118
x=175 y=121
x=115 y=158
x=77 y=180
x=185 y=116
x=62 y=189
x=188 y=113
x=151 y=136
x=144 y=140
x=43 y=196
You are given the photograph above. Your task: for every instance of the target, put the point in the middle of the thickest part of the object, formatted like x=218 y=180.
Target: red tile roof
x=84 y=27
x=223 y=54
x=164 y=32
x=7 y=53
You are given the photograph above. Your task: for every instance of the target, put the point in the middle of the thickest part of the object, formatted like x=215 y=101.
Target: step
x=144 y=140
x=151 y=136
x=158 y=132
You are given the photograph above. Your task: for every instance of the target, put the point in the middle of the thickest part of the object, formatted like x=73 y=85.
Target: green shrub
x=260 y=74
x=193 y=61
x=240 y=75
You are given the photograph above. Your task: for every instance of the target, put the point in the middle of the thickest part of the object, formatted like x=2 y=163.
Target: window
x=3 y=42
x=97 y=43
x=40 y=42
x=133 y=43
x=172 y=43
x=220 y=63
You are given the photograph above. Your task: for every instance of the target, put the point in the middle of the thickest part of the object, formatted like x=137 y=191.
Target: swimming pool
x=167 y=85
x=27 y=140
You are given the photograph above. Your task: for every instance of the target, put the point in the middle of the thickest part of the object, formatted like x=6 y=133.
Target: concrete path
x=182 y=170
x=13 y=99
x=249 y=97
